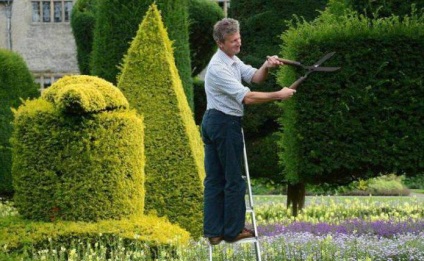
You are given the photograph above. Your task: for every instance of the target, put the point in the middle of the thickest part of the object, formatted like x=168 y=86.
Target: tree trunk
x=296 y=197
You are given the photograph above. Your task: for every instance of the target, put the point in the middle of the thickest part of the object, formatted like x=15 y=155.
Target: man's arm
x=262 y=73
x=262 y=97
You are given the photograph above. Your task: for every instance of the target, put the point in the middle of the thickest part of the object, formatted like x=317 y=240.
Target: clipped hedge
x=174 y=150
x=16 y=83
x=17 y=234
x=199 y=99
x=116 y=25
x=87 y=166
x=364 y=119
x=203 y=14
x=261 y=24
x=83 y=21
x=384 y=8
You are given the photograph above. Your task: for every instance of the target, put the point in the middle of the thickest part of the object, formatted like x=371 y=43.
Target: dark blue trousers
x=224 y=203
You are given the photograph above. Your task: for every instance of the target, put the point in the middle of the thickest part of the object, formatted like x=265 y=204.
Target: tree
x=203 y=14
x=83 y=20
x=174 y=150
x=116 y=25
x=16 y=83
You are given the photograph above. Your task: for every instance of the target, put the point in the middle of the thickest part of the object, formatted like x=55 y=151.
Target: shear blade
x=323 y=59
x=323 y=69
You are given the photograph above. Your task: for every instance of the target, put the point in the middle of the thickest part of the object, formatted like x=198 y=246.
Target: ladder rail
x=246 y=168
x=252 y=212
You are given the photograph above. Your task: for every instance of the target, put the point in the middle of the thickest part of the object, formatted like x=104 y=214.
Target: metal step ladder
x=249 y=210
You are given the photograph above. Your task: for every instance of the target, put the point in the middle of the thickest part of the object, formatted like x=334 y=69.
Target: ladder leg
x=251 y=210
x=210 y=252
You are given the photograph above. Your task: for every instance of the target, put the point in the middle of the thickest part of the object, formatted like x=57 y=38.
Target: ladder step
x=247 y=240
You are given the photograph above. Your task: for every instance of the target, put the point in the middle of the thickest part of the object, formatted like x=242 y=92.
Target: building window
x=46 y=79
x=51 y=11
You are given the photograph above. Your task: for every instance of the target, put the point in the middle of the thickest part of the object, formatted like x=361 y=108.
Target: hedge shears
x=314 y=68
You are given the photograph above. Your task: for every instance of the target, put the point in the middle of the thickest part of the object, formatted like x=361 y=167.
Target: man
x=224 y=203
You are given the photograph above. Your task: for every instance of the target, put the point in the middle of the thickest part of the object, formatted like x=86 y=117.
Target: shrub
x=416 y=182
x=199 y=99
x=262 y=154
x=74 y=161
x=116 y=25
x=17 y=235
x=83 y=21
x=203 y=14
x=261 y=24
x=360 y=122
x=174 y=149
x=384 y=8
x=16 y=83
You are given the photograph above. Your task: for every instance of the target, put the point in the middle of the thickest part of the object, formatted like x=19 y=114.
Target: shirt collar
x=226 y=59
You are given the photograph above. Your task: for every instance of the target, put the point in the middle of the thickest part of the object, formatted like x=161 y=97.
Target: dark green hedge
x=203 y=14
x=365 y=119
x=77 y=167
x=83 y=21
x=199 y=100
x=117 y=22
x=262 y=23
x=16 y=83
x=174 y=149
x=262 y=153
x=384 y=8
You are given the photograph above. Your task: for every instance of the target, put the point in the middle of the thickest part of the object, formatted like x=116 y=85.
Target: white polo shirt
x=223 y=83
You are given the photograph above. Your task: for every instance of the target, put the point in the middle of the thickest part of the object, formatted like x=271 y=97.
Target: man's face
x=231 y=45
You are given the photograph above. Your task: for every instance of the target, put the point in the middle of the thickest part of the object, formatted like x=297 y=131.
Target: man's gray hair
x=224 y=27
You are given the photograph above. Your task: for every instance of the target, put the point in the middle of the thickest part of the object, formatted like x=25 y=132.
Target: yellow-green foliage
x=17 y=233
x=78 y=167
x=334 y=210
x=174 y=150
x=85 y=94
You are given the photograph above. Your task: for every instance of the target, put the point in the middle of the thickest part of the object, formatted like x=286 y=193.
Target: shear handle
x=297 y=82
x=289 y=62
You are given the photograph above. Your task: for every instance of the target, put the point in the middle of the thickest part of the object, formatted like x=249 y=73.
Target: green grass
x=281 y=199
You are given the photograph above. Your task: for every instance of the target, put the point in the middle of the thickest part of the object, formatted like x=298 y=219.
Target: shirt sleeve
x=229 y=85
x=247 y=72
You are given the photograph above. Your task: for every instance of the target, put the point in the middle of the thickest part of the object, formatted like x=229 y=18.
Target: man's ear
x=220 y=44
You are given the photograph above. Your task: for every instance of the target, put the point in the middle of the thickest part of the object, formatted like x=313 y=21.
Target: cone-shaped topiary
x=78 y=154
x=116 y=25
x=174 y=150
x=16 y=83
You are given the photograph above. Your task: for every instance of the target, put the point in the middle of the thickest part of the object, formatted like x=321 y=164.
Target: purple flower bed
x=355 y=226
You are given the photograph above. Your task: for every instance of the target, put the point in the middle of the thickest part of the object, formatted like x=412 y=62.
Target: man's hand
x=285 y=93
x=272 y=61
x=262 y=73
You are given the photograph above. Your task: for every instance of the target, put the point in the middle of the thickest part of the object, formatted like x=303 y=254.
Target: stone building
x=40 y=31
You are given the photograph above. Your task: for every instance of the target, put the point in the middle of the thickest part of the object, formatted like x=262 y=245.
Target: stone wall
x=3 y=26
x=48 y=48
